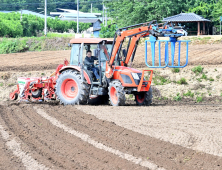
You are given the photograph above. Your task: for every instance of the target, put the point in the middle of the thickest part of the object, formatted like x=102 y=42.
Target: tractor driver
x=89 y=62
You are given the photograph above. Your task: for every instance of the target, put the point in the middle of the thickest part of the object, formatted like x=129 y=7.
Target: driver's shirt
x=89 y=62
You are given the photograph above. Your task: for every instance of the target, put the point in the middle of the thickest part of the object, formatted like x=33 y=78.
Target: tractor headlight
x=135 y=76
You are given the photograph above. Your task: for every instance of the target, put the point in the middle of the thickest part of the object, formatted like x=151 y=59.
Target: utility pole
x=91 y=8
x=220 y=24
x=103 y=14
x=21 y=15
x=77 y=16
x=45 y=17
x=106 y=18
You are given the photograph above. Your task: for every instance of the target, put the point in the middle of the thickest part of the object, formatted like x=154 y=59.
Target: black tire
x=144 y=98
x=119 y=98
x=82 y=93
x=37 y=93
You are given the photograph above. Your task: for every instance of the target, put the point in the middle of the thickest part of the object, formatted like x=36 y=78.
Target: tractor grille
x=138 y=81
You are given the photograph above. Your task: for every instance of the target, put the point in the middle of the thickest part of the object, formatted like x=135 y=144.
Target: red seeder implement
x=37 y=88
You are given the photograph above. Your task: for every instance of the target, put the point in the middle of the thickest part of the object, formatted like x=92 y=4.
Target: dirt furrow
x=54 y=147
x=7 y=159
x=161 y=153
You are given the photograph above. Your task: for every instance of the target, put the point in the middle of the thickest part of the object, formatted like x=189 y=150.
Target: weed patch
x=182 y=81
x=189 y=93
x=199 y=99
x=197 y=69
x=176 y=70
x=177 y=97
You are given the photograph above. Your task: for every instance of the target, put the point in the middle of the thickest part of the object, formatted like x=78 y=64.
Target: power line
x=33 y=4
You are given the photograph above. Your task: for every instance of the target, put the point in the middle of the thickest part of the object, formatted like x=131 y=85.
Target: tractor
x=74 y=84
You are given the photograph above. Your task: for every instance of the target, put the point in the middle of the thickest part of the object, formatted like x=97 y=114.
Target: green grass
x=131 y=96
x=176 y=70
x=15 y=45
x=1 y=84
x=204 y=76
x=199 y=99
x=199 y=79
x=197 y=69
x=65 y=35
x=160 y=80
x=189 y=93
x=177 y=97
x=211 y=79
x=182 y=81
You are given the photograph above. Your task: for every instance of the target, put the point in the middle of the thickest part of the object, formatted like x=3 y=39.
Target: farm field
x=169 y=134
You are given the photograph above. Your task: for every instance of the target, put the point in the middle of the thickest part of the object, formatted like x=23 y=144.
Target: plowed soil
x=34 y=61
x=56 y=149
x=167 y=135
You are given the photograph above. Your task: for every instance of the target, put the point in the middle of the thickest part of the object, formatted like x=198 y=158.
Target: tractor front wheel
x=71 y=89
x=116 y=93
x=144 y=98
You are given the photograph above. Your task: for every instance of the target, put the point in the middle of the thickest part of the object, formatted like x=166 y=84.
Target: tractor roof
x=89 y=40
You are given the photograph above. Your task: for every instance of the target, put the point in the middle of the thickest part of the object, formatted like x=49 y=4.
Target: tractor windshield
x=74 y=54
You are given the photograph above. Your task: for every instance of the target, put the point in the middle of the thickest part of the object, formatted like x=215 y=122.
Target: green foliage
x=160 y=80
x=199 y=99
x=176 y=70
x=177 y=97
x=182 y=81
x=12 y=46
x=30 y=25
x=197 y=69
x=211 y=79
x=189 y=93
x=209 y=9
x=204 y=76
x=31 y=5
x=128 y=12
x=1 y=84
x=108 y=31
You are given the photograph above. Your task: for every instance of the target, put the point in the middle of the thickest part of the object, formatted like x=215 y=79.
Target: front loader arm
x=135 y=35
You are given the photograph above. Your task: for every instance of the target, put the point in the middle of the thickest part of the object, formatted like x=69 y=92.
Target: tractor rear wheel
x=116 y=93
x=144 y=98
x=71 y=89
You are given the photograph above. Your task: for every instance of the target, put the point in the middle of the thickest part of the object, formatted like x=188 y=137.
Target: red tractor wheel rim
x=140 y=98
x=113 y=95
x=69 y=89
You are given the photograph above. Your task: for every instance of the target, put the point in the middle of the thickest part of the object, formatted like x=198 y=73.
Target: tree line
x=11 y=25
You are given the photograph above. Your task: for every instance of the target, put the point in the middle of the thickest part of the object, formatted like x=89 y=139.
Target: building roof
x=89 y=40
x=74 y=15
x=186 y=17
x=33 y=13
x=6 y=11
x=28 y=12
x=84 y=20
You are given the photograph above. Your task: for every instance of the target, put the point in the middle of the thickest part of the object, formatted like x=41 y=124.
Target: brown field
x=166 y=135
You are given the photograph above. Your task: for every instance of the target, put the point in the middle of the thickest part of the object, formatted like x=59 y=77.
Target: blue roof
x=186 y=17
x=6 y=11
x=74 y=15
x=28 y=12
x=33 y=13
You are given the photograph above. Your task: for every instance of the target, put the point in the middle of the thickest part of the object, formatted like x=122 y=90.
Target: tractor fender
x=78 y=69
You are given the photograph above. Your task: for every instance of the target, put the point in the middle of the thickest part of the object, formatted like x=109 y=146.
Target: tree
x=108 y=31
x=128 y=12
